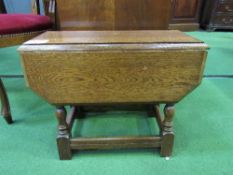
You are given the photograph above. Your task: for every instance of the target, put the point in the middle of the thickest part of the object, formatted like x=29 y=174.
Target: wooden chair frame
x=16 y=39
x=2 y=7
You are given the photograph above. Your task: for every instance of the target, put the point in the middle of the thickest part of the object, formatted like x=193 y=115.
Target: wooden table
x=113 y=67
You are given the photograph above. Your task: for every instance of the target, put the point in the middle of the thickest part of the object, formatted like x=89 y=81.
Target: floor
x=203 y=127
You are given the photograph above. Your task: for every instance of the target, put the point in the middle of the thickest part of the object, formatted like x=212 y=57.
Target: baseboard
x=184 y=26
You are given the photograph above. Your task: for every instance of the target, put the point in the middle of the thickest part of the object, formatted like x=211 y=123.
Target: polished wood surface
x=63 y=137
x=113 y=14
x=185 y=14
x=143 y=72
x=117 y=77
x=115 y=142
x=96 y=68
x=108 y=37
x=167 y=131
x=66 y=143
x=217 y=14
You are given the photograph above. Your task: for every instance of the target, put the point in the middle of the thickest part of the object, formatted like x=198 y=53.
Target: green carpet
x=10 y=61
x=203 y=127
x=220 y=55
x=203 y=145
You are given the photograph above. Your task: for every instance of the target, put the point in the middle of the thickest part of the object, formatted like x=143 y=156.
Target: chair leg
x=5 y=109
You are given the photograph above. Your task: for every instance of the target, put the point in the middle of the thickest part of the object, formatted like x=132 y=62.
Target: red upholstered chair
x=16 y=29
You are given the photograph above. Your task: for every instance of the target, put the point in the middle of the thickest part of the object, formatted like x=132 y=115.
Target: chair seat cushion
x=20 y=23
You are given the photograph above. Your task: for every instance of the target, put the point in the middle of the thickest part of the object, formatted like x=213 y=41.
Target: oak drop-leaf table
x=79 y=68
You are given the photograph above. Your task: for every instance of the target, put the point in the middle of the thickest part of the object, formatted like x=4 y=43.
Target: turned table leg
x=63 y=137
x=167 y=131
x=5 y=109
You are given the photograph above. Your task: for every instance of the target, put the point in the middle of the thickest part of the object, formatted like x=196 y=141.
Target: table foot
x=63 y=144
x=167 y=131
x=63 y=137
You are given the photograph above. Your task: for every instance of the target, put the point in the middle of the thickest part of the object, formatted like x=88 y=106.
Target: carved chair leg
x=167 y=133
x=63 y=137
x=5 y=109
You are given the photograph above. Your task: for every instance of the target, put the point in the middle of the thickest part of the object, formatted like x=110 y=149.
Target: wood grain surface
x=106 y=37
x=111 y=71
x=113 y=14
x=115 y=142
x=118 y=77
x=109 y=67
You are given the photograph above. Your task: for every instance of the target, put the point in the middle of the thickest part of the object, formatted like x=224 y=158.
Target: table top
x=92 y=67
x=112 y=37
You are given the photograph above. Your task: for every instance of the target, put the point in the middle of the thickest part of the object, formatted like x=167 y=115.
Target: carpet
x=203 y=127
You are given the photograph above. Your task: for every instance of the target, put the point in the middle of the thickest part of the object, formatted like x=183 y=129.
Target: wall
x=18 y=6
